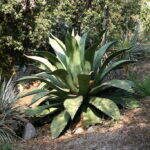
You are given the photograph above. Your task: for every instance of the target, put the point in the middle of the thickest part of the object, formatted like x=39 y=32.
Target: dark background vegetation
x=25 y=24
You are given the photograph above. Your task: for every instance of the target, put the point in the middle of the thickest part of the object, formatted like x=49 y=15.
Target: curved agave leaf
x=99 y=54
x=51 y=57
x=78 y=38
x=43 y=61
x=59 y=123
x=53 y=79
x=36 y=110
x=66 y=78
x=106 y=106
x=37 y=91
x=82 y=45
x=112 y=56
x=40 y=110
x=56 y=46
x=100 y=76
x=39 y=96
x=121 y=84
x=89 y=53
x=58 y=51
x=72 y=105
x=38 y=78
x=74 y=57
x=89 y=118
x=61 y=44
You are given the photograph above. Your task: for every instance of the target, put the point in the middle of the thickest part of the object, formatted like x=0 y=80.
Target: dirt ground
x=131 y=133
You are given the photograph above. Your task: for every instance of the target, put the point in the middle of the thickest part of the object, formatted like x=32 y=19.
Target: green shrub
x=74 y=83
x=142 y=87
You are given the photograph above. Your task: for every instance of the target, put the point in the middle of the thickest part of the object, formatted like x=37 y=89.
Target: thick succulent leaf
x=40 y=110
x=84 y=83
x=35 y=111
x=47 y=112
x=35 y=77
x=74 y=60
x=66 y=78
x=126 y=102
x=121 y=84
x=99 y=55
x=56 y=46
x=51 y=57
x=107 y=70
x=89 y=53
x=111 y=57
x=37 y=91
x=106 y=106
x=53 y=79
x=82 y=45
x=39 y=96
x=72 y=105
x=78 y=38
x=59 y=123
x=59 y=51
x=43 y=61
x=89 y=56
x=61 y=44
x=31 y=78
x=89 y=118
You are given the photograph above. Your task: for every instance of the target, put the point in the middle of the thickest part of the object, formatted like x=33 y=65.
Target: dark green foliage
x=25 y=25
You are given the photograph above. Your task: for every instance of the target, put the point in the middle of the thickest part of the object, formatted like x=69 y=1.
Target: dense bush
x=25 y=25
x=74 y=83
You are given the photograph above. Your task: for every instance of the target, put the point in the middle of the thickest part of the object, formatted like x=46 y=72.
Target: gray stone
x=68 y=133
x=29 y=131
x=79 y=130
x=90 y=129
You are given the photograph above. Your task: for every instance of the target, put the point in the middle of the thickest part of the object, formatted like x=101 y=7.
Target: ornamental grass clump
x=73 y=83
x=10 y=117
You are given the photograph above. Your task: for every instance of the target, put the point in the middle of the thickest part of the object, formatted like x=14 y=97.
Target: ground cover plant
x=73 y=83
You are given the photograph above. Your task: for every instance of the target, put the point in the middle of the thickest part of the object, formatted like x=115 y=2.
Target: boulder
x=29 y=131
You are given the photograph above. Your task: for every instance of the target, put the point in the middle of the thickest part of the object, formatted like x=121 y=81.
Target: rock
x=68 y=133
x=29 y=131
x=90 y=129
x=79 y=130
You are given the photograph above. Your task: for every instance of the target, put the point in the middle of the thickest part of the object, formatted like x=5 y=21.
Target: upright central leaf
x=72 y=105
x=73 y=57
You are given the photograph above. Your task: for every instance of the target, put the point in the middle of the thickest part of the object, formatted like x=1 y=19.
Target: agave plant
x=9 y=115
x=73 y=82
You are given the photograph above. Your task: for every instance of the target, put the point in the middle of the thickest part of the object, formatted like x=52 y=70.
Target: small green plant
x=141 y=87
x=9 y=116
x=6 y=146
x=73 y=83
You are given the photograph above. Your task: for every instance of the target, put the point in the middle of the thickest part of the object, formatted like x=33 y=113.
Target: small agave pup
x=75 y=77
